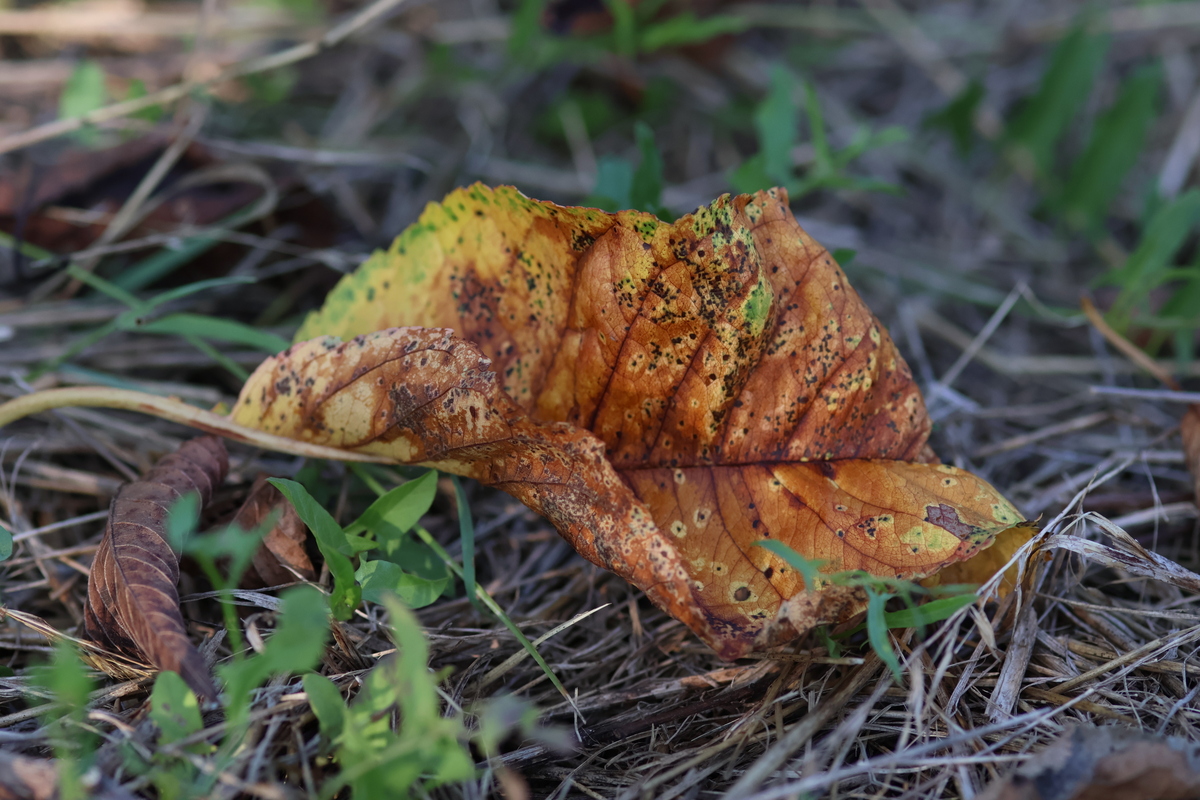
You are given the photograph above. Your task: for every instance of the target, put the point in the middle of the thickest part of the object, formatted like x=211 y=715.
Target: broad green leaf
x=332 y=543
x=327 y=703
x=614 y=184
x=1146 y=267
x=182 y=520
x=136 y=91
x=381 y=578
x=6 y=543
x=424 y=751
x=296 y=646
x=415 y=557
x=175 y=710
x=395 y=513
x=645 y=192
x=84 y=91
x=751 y=175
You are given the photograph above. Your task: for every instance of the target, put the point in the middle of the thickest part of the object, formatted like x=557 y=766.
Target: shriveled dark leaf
x=281 y=558
x=1090 y=763
x=133 y=602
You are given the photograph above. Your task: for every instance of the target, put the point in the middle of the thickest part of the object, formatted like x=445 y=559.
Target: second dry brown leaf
x=133 y=599
x=281 y=558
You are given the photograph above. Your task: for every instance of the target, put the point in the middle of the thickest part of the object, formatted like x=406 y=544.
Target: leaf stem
x=175 y=410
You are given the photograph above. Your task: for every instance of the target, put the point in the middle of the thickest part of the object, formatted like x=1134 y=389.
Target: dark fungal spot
x=742 y=594
x=768 y=572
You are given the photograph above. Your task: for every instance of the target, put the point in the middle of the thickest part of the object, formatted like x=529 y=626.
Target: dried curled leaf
x=281 y=558
x=133 y=602
x=667 y=394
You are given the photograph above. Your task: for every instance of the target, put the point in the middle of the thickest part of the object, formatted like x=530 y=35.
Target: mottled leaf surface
x=668 y=394
x=133 y=599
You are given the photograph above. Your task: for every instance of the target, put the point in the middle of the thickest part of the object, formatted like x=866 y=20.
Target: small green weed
x=402 y=565
x=84 y=92
x=74 y=743
x=777 y=126
x=621 y=185
x=636 y=31
x=879 y=591
x=1081 y=193
x=426 y=750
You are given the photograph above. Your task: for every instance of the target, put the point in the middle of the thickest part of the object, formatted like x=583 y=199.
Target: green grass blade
x=72 y=350
x=918 y=616
x=107 y=288
x=1113 y=150
x=223 y=330
x=822 y=154
x=466 y=530
x=957 y=117
x=624 y=27
x=180 y=292
x=1065 y=86
x=235 y=369
x=1154 y=257
x=685 y=28
x=808 y=568
x=30 y=251
x=877 y=631
x=167 y=260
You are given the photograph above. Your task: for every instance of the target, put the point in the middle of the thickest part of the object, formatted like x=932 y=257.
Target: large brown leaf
x=667 y=394
x=133 y=602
